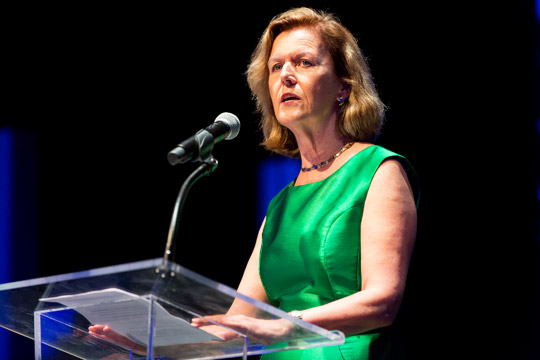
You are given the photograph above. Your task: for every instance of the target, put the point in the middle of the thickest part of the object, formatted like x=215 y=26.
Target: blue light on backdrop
x=18 y=220
x=6 y=185
x=6 y=170
x=273 y=175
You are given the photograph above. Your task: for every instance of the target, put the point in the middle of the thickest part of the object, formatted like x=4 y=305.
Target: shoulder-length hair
x=359 y=118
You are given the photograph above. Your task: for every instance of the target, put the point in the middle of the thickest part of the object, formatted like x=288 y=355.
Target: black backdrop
x=108 y=91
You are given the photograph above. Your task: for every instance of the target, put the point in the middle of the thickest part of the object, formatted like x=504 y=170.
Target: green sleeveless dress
x=310 y=253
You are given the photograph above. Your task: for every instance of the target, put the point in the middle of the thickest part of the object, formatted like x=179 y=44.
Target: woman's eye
x=276 y=67
x=305 y=62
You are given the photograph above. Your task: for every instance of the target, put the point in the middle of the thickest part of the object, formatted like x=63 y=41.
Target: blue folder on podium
x=149 y=305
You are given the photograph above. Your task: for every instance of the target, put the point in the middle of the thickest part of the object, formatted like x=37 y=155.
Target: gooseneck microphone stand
x=207 y=167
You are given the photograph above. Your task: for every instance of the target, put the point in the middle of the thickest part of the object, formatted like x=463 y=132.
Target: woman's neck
x=321 y=173
x=316 y=152
x=318 y=145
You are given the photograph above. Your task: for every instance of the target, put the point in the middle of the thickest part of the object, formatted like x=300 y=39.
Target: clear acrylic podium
x=150 y=306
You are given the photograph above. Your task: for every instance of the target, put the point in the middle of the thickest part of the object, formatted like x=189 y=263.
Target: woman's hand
x=106 y=333
x=208 y=324
x=264 y=331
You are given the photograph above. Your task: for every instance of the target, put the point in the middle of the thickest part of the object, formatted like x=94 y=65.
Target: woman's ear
x=345 y=91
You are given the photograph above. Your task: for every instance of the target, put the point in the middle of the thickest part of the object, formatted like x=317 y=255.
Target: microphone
x=198 y=147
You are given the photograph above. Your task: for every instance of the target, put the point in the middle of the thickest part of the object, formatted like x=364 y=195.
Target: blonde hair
x=361 y=116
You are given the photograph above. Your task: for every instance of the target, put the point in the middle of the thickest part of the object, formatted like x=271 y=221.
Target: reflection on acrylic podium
x=149 y=306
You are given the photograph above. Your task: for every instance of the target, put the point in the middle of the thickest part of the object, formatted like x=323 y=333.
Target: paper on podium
x=124 y=313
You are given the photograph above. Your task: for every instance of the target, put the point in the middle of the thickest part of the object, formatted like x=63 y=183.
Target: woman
x=335 y=246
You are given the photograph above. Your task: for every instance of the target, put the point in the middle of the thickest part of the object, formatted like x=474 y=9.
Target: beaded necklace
x=320 y=165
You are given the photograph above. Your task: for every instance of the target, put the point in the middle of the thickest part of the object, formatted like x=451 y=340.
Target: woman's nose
x=287 y=74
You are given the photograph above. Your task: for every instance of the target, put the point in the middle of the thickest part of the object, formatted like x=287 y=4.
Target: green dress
x=310 y=252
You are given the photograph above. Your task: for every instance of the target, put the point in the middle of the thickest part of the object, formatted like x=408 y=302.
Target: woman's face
x=302 y=82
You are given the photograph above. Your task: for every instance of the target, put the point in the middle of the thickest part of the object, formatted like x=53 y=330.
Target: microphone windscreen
x=232 y=121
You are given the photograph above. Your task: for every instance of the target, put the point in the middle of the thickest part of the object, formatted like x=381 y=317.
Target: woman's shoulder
x=387 y=164
x=394 y=166
x=370 y=156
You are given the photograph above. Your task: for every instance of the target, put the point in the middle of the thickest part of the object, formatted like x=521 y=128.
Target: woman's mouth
x=289 y=97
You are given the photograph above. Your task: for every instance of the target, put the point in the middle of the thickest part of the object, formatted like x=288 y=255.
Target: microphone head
x=232 y=121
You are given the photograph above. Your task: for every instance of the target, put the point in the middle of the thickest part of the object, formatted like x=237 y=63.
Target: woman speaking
x=336 y=243
x=335 y=246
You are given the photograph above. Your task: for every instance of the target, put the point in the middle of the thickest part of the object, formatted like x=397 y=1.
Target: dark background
x=102 y=94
